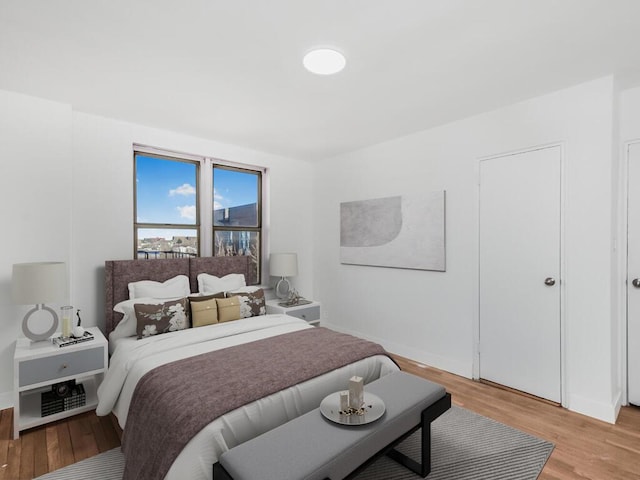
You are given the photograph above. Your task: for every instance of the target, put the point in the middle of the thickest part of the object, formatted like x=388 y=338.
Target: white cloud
x=188 y=212
x=184 y=189
x=218 y=200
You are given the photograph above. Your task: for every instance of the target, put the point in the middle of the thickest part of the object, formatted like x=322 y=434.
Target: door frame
x=624 y=262
x=563 y=203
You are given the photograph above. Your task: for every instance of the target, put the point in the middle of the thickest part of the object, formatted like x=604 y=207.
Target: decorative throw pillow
x=228 y=309
x=166 y=317
x=177 y=286
x=251 y=302
x=127 y=326
x=204 y=310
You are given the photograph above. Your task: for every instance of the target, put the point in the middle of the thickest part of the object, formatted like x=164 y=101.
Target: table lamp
x=283 y=265
x=36 y=284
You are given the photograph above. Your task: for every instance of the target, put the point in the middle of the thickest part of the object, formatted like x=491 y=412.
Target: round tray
x=373 y=410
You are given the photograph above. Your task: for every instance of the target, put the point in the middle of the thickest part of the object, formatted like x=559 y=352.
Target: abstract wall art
x=405 y=231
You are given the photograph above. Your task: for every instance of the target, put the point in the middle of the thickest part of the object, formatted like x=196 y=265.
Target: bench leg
x=429 y=414
x=219 y=473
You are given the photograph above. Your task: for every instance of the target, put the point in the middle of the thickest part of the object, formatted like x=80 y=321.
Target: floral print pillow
x=167 y=317
x=251 y=302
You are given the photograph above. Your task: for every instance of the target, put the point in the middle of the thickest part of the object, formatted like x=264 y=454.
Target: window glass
x=167 y=216
x=166 y=243
x=235 y=197
x=166 y=194
x=230 y=243
x=166 y=191
x=237 y=213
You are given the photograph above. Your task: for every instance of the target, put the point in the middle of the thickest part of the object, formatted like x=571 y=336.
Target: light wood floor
x=584 y=448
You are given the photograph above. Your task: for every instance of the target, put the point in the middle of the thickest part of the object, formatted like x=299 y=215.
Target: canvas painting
x=405 y=231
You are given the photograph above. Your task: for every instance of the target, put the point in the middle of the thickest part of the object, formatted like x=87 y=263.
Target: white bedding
x=132 y=359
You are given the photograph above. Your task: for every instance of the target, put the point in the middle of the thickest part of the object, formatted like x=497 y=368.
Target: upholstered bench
x=311 y=447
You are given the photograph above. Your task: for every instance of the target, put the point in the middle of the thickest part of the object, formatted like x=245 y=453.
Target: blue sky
x=166 y=190
x=234 y=188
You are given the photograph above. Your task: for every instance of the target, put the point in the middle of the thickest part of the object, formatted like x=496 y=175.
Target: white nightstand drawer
x=307 y=313
x=59 y=366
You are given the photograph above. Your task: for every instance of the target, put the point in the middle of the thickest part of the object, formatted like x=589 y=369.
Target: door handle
x=636 y=282
x=549 y=281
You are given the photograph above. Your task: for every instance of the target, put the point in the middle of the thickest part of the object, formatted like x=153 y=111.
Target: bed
x=133 y=361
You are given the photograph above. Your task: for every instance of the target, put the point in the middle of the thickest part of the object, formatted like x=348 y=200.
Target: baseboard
x=607 y=412
x=459 y=368
x=617 y=405
x=6 y=400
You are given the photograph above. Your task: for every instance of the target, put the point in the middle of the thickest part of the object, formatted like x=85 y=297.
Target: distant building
x=226 y=243
x=242 y=215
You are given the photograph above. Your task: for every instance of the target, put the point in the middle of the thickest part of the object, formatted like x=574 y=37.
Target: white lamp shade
x=283 y=264
x=39 y=283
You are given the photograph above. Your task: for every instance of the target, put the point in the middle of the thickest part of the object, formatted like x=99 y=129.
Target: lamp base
x=37 y=337
x=283 y=287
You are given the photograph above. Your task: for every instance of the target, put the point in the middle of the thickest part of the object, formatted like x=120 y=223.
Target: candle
x=356 y=392
x=344 y=401
x=66 y=320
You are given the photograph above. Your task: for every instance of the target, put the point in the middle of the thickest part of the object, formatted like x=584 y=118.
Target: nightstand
x=309 y=312
x=38 y=365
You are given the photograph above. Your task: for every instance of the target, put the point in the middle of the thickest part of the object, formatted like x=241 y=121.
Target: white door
x=633 y=275
x=520 y=271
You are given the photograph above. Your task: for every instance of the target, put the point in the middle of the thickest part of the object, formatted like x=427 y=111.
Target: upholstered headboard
x=119 y=273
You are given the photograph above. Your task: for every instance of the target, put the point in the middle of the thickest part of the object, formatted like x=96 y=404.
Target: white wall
x=35 y=193
x=83 y=167
x=630 y=115
x=431 y=316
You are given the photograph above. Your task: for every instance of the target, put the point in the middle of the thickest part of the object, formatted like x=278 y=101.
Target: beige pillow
x=203 y=312
x=228 y=309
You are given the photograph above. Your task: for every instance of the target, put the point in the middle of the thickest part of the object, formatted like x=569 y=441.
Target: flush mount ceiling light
x=324 y=61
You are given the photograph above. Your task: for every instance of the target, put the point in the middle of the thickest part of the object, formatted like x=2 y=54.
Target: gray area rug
x=465 y=446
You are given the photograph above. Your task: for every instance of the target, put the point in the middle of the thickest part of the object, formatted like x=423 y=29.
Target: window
x=237 y=218
x=169 y=190
x=166 y=207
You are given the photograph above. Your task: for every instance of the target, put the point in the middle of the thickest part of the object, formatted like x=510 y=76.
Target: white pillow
x=251 y=289
x=127 y=326
x=177 y=286
x=210 y=284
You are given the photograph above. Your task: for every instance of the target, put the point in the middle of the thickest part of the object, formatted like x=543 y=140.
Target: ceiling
x=231 y=70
